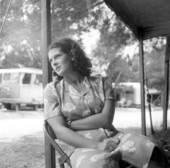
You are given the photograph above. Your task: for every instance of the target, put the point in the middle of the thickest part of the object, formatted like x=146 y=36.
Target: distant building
x=128 y=94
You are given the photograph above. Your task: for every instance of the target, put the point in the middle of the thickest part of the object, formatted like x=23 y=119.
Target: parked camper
x=128 y=94
x=21 y=86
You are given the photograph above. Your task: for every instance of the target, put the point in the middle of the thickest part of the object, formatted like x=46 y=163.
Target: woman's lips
x=58 y=68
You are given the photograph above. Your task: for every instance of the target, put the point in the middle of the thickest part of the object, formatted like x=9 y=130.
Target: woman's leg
x=136 y=149
x=91 y=158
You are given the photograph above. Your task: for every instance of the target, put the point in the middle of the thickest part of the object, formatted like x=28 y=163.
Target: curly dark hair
x=81 y=63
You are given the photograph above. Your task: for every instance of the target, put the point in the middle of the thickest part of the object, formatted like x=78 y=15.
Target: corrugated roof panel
x=149 y=17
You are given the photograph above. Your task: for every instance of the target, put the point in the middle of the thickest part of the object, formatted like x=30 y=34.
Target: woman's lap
x=136 y=150
x=91 y=158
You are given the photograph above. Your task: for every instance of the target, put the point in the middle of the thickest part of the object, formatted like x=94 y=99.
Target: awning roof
x=149 y=17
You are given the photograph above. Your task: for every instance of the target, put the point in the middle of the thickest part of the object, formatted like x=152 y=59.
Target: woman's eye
x=57 y=56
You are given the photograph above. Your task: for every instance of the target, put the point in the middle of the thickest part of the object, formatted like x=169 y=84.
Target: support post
x=142 y=89
x=45 y=40
x=166 y=88
x=47 y=72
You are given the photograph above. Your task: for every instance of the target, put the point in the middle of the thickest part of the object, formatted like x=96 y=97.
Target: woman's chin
x=60 y=73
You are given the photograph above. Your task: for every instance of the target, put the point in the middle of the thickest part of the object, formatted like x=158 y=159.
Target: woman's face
x=60 y=62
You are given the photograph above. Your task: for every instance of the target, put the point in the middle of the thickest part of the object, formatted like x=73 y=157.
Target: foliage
x=154 y=64
x=21 y=34
x=20 y=38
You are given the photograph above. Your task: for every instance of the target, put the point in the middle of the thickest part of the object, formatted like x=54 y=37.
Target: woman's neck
x=74 y=78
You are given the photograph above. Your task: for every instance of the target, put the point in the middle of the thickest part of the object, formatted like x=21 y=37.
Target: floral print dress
x=63 y=99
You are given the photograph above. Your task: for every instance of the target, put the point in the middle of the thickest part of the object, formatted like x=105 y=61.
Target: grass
x=28 y=152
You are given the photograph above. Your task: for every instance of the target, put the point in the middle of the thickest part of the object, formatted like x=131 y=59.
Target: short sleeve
x=51 y=103
x=108 y=89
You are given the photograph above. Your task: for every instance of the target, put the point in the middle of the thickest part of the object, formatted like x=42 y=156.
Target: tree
x=154 y=64
x=114 y=37
x=20 y=37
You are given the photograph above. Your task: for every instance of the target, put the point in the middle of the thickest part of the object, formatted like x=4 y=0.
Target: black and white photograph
x=85 y=84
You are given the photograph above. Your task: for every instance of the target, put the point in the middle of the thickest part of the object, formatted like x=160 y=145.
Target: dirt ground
x=21 y=141
x=22 y=138
x=27 y=152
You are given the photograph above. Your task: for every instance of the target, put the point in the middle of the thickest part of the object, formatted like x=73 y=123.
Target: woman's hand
x=111 y=146
x=69 y=123
x=108 y=145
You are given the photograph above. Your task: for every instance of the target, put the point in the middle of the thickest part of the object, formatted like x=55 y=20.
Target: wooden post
x=45 y=40
x=142 y=82
x=166 y=88
x=47 y=72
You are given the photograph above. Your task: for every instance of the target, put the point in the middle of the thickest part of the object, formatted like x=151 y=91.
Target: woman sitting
x=80 y=109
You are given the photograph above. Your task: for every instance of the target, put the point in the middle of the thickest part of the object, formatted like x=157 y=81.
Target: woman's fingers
x=111 y=145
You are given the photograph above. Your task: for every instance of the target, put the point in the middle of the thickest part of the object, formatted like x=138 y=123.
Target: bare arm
x=57 y=122
x=100 y=120
x=68 y=136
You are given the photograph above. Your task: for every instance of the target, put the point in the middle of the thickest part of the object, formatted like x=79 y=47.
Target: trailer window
x=14 y=78
x=7 y=76
x=27 y=78
x=38 y=80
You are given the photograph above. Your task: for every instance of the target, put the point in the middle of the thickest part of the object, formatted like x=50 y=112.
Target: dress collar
x=71 y=90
